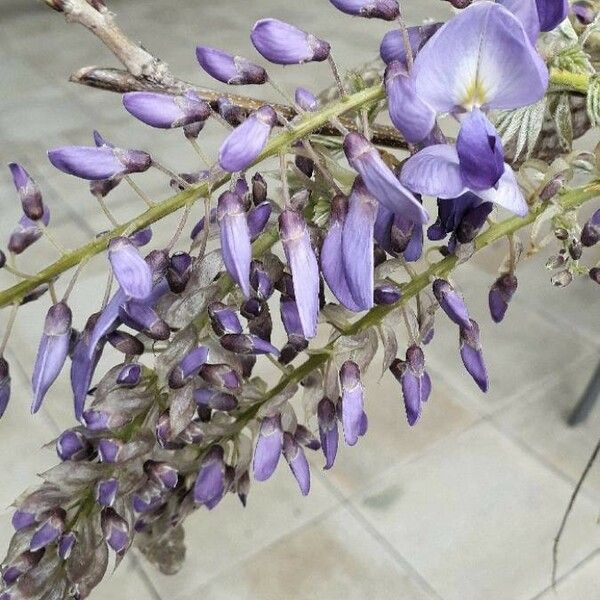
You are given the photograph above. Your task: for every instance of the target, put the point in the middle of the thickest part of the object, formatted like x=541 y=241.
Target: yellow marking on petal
x=475 y=95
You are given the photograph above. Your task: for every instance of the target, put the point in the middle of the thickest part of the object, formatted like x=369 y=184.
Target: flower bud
x=26 y=233
x=66 y=544
x=259 y=189
x=258 y=217
x=73 y=445
x=49 y=530
x=240 y=343
x=4 y=385
x=29 y=192
x=584 y=11
x=284 y=44
x=215 y=399
x=501 y=294
x=210 y=481
x=2 y=259
x=562 y=278
x=472 y=356
x=142 y=318
x=233 y=114
x=590 y=234
x=125 y=343
x=130 y=375
x=165 y=111
x=594 y=274
x=243 y=487
x=223 y=319
x=106 y=491
x=328 y=430
x=52 y=352
x=245 y=143
x=472 y=221
x=188 y=367
x=23 y=563
x=304 y=436
x=575 y=249
x=296 y=459
x=388 y=10
x=233 y=70
x=99 y=163
x=162 y=473
x=110 y=450
x=393 y=48
x=387 y=294
x=352 y=401
x=269 y=444
x=114 y=529
x=178 y=272
x=261 y=281
x=131 y=271
x=148 y=498
x=551 y=13
x=221 y=375
x=305 y=99
x=451 y=302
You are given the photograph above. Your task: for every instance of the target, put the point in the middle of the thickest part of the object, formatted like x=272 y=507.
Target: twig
x=582 y=478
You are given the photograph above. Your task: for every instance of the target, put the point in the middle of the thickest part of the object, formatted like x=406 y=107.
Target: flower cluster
x=156 y=440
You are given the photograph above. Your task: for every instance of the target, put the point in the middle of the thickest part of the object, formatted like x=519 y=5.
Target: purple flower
x=386 y=294
x=527 y=13
x=221 y=375
x=501 y=294
x=284 y=44
x=99 y=163
x=224 y=319
x=20 y=565
x=451 y=302
x=110 y=450
x=148 y=498
x=162 y=473
x=141 y=317
x=190 y=365
x=234 y=70
x=130 y=375
x=131 y=271
x=258 y=217
x=125 y=342
x=392 y=46
x=472 y=355
x=305 y=99
x=52 y=352
x=106 y=491
x=590 y=234
x=165 y=111
x=551 y=13
x=235 y=239
x=73 y=445
x=260 y=280
x=215 y=399
x=296 y=459
x=268 y=448
x=328 y=430
x=387 y=10
x=245 y=143
x=4 y=385
x=241 y=343
x=27 y=233
x=29 y=192
x=303 y=265
x=379 y=179
x=66 y=543
x=583 y=11
x=415 y=382
x=115 y=530
x=49 y=530
x=352 y=402
x=210 y=482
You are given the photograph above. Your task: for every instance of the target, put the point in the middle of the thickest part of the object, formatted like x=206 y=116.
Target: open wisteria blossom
x=317 y=234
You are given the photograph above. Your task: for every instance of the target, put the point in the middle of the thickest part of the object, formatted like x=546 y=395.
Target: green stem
x=306 y=124
x=573 y=82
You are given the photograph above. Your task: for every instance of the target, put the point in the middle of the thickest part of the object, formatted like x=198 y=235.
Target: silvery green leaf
x=387 y=333
x=73 y=477
x=273 y=406
x=312 y=394
x=512 y=256
x=37 y=581
x=360 y=348
x=523 y=125
x=331 y=385
x=564 y=122
x=182 y=408
x=593 y=100
x=58 y=590
x=388 y=268
x=44 y=498
x=181 y=343
x=221 y=424
x=19 y=543
x=289 y=421
x=255 y=389
x=337 y=315
x=165 y=551
x=244 y=449
x=188 y=305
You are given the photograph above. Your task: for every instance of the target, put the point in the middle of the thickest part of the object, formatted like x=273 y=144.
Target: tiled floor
x=463 y=506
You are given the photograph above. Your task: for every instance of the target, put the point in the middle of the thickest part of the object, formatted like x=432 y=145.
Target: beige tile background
x=464 y=506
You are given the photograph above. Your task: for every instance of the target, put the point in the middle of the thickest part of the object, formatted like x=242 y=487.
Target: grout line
x=565 y=576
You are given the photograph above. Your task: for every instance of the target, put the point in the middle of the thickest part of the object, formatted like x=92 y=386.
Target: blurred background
x=462 y=507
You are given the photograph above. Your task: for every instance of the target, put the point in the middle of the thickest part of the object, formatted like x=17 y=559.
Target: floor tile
x=476 y=517
x=332 y=558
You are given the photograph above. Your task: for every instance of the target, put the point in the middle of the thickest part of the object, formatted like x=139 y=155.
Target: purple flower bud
x=99 y=163
x=352 y=401
x=233 y=70
x=188 y=367
x=130 y=375
x=141 y=237
x=233 y=114
x=110 y=450
x=114 y=529
x=73 y=445
x=22 y=519
x=305 y=99
x=259 y=189
x=141 y=317
x=590 y=234
x=178 y=272
x=258 y=217
x=199 y=226
x=52 y=352
x=240 y=343
x=269 y=445
x=162 y=473
x=97 y=420
x=215 y=400
x=472 y=356
x=148 y=498
x=106 y=491
x=210 y=485
x=415 y=382
x=243 y=487
x=379 y=179
x=223 y=319
x=296 y=459
x=235 y=239
x=4 y=385
x=261 y=281
x=131 y=271
x=126 y=343
x=165 y=111
x=551 y=13
x=451 y=301
x=304 y=436
x=2 y=259
x=158 y=261
x=221 y=375
x=387 y=10
x=501 y=294
x=387 y=294
x=583 y=11
x=49 y=530
x=29 y=192
x=26 y=233
x=392 y=46
x=328 y=430
x=284 y=44
x=594 y=274
x=303 y=265
x=472 y=221
x=23 y=563
x=66 y=544
x=245 y=143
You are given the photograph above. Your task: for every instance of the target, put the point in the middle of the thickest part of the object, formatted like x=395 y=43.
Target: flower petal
x=507 y=194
